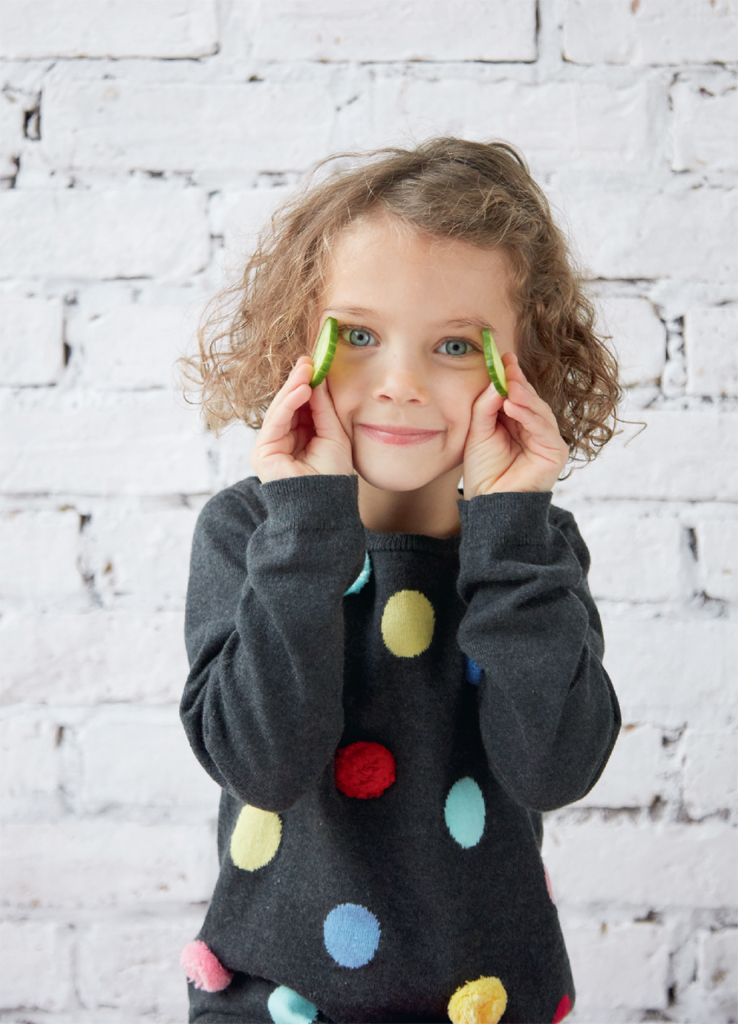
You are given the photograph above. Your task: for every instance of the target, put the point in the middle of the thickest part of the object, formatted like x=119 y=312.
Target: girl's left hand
x=513 y=443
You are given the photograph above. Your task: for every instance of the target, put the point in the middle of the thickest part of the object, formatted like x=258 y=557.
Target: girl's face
x=410 y=362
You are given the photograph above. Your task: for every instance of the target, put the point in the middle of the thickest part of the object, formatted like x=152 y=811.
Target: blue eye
x=359 y=337
x=457 y=347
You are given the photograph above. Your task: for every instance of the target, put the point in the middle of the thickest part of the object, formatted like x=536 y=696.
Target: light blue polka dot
x=287 y=1007
x=473 y=672
x=351 y=934
x=361 y=578
x=465 y=812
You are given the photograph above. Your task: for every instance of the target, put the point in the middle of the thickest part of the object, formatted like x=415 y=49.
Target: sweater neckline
x=412 y=542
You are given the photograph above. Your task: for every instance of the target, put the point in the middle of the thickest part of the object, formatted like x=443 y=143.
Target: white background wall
x=142 y=142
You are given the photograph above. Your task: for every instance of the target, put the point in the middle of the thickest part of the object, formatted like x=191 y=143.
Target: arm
x=263 y=703
x=548 y=713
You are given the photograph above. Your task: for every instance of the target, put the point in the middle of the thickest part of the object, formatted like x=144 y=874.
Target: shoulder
x=563 y=520
x=233 y=512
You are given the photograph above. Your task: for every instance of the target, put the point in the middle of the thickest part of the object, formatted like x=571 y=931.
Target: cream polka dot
x=407 y=623
x=255 y=838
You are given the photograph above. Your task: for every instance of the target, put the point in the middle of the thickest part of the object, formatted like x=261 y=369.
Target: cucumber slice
x=494 y=363
x=324 y=351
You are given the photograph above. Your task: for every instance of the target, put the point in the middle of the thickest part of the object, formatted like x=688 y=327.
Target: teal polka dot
x=465 y=812
x=287 y=1007
x=361 y=578
x=351 y=934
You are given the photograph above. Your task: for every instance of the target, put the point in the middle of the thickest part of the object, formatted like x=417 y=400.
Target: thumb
x=484 y=413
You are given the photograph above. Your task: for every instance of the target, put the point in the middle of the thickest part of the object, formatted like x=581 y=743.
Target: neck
x=430 y=510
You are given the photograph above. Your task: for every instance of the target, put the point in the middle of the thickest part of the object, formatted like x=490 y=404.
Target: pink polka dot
x=548 y=884
x=203 y=968
x=562 y=1010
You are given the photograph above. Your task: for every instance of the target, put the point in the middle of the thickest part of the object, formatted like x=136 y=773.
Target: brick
x=134 y=347
x=705 y=132
x=669 y=671
x=110 y=125
x=141 y=560
x=542 y=121
x=649 y=31
x=654 y=575
x=242 y=215
x=11 y=133
x=107 y=863
x=76 y=233
x=87 y=659
x=134 y=965
x=628 y=232
x=382 y=30
x=657 y=866
x=108 y=28
x=635 y=773
x=101 y=443
x=30 y=775
x=39 y=553
x=711 y=349
x=666 y=461
x=718 y=961
x=231 y=455
x=638 y=338
x=708 y=986
x=622 y=965
x=37 y=965
x=710 y=771
x=31 y=345
x=717 y=545
x=164 y=772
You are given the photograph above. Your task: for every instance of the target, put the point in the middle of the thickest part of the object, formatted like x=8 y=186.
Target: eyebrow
x=359 y=311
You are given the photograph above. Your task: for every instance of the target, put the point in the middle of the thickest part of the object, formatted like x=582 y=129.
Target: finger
x=293 y=394
x=484 y=411
x=514 y=372
x=526 y=395
x=325 y=417
x=537 y=430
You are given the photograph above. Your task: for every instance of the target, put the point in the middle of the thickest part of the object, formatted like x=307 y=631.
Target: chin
x=399 y=478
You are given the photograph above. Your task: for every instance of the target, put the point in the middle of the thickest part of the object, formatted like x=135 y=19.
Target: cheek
x=458 y=402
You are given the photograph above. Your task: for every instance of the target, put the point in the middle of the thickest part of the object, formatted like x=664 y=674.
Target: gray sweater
x=385 y=754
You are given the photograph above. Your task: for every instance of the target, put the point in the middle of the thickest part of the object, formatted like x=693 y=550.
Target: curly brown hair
x=252 y=333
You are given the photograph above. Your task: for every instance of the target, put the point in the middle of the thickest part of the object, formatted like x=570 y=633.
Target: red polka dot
x=562 y=1010
x=364 y=769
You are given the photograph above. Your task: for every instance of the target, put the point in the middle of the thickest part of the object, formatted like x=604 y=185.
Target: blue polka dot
x=361 y=578
x=287 y=1007
x=465 y=812
x=473 y=672
x=351 y=934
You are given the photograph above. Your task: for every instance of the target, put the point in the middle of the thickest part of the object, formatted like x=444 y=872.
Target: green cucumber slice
x=494 y=363
x=324 y=351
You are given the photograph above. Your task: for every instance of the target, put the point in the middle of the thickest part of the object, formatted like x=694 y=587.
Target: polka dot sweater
x=388 y=715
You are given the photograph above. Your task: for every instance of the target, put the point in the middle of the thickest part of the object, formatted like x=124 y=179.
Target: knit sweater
x=388 y=715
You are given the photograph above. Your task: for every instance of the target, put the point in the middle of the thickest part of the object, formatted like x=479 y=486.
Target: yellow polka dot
x=478 y=1002
x=255 y=838
x=407 y=623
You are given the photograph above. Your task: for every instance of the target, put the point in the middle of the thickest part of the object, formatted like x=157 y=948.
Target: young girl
x=392 y=677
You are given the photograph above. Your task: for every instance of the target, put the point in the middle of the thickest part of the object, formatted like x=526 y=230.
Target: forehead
x=381 y=255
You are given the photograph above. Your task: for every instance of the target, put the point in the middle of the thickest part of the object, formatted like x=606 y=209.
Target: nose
x=400 y=379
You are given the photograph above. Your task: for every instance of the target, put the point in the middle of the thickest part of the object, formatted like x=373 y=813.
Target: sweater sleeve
x=263 y=703
x=549 y=716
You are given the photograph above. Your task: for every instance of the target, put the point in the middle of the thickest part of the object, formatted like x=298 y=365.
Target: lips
x=397 y=435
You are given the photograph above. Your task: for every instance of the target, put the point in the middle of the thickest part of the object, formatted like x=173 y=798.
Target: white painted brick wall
x=142 y=145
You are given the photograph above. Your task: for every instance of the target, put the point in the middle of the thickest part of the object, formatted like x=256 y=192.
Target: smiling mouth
x=398 y=435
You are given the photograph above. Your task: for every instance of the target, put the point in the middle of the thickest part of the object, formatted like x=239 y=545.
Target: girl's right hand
x=301 y=434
